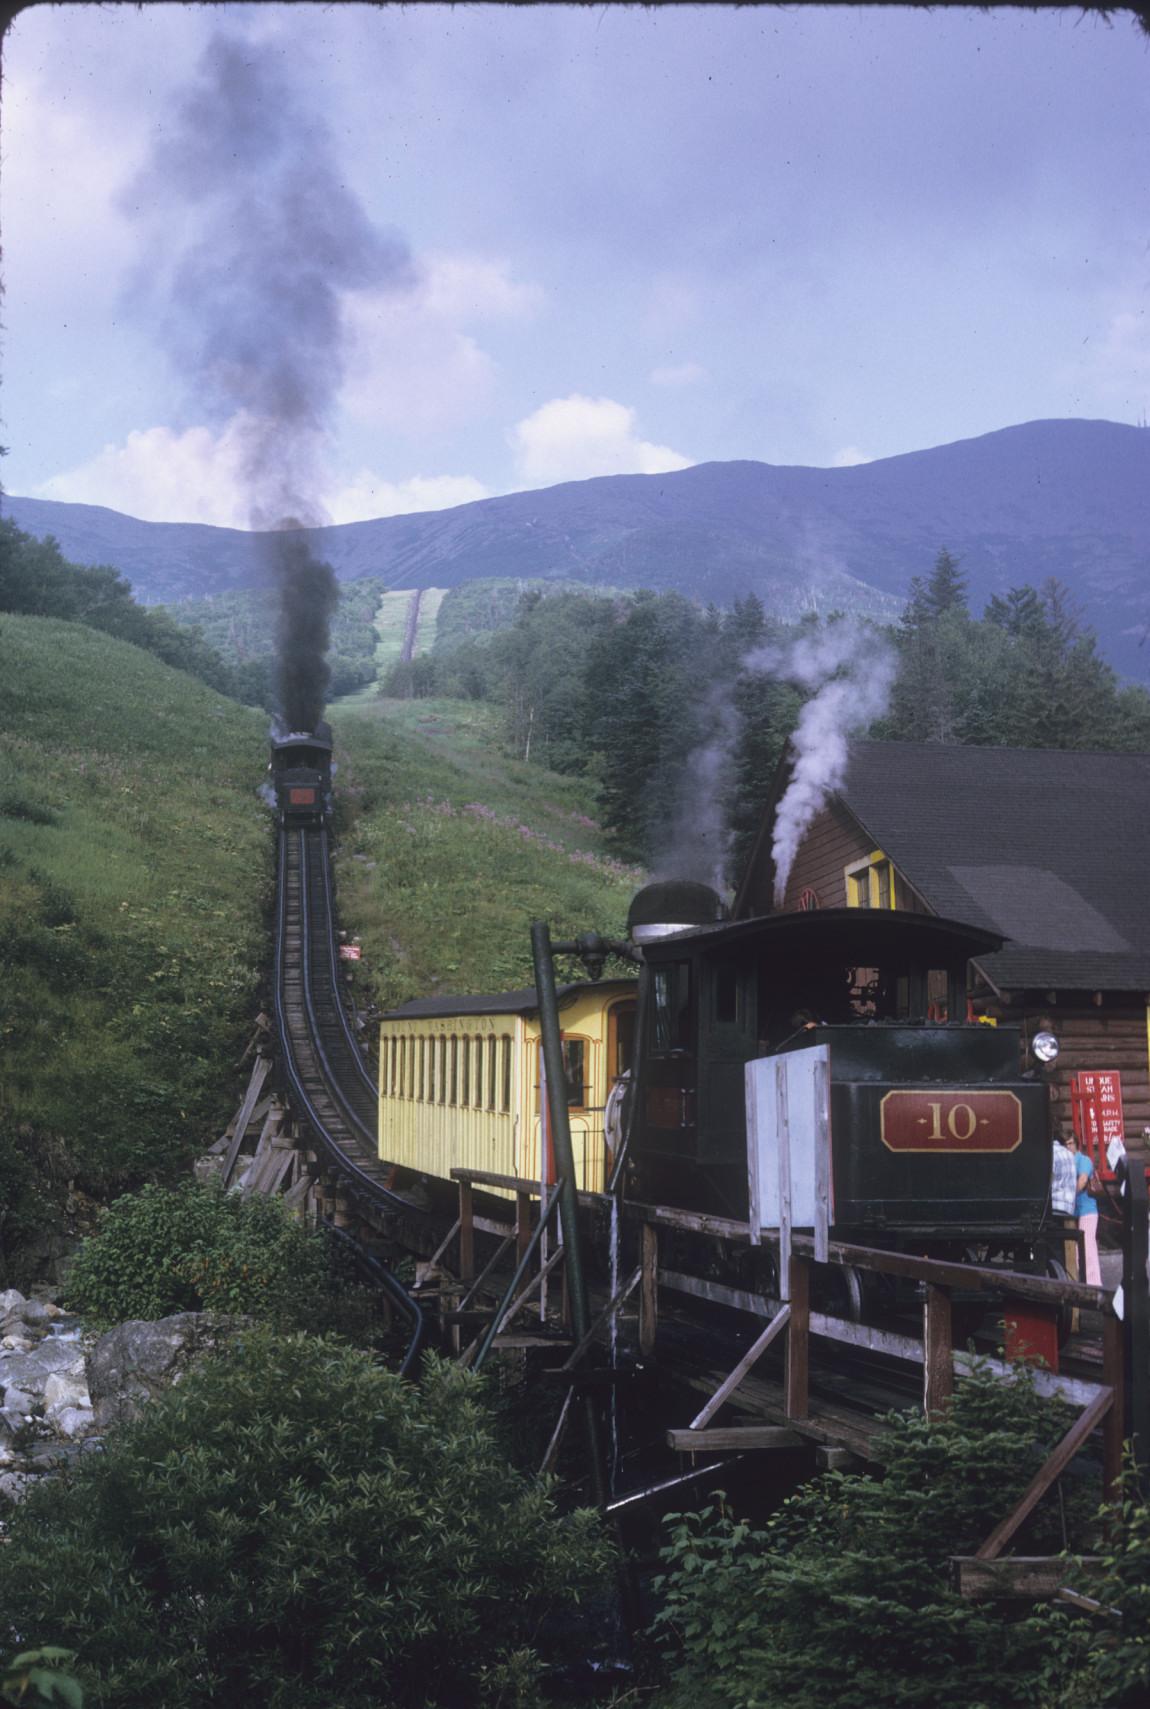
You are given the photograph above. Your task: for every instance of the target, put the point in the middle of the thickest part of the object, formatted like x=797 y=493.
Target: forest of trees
x=36 y=579
x=637 y=690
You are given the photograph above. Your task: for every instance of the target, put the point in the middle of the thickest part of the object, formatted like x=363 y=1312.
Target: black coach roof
x=522 y=1002
x=861 y=936
x=1048 y=847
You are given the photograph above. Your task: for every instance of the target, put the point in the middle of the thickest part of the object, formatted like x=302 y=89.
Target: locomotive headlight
x=1045 y=1046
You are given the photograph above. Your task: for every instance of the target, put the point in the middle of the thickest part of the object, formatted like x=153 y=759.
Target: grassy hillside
x=449 y=850
x=135 y=865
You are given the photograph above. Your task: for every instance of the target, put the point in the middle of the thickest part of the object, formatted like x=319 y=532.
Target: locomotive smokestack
x=251 y=308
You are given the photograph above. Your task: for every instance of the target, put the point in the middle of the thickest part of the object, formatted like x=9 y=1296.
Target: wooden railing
x=797 y=1323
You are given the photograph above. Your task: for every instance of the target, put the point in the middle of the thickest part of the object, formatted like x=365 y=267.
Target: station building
x=1048 y=847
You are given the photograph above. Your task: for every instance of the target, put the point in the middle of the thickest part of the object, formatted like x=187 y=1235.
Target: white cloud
x=159 y=475
x=575 y=438
x=1113 y=370
x=680 y=374
x=413 y=365
x=472 y=287
x=849 y=458
x=366 y=496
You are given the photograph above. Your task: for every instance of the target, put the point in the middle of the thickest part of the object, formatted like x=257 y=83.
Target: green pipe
x=560 y=1123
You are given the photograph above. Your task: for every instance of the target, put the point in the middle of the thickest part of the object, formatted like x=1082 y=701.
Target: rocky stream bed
x=62 y=1387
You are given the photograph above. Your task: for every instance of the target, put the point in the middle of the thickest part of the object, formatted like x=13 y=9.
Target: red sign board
x=1096 y=1109
x=301 y=797
x=349 y=952
x=950 y=1121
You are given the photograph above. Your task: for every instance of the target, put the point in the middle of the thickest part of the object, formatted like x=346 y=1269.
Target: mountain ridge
x=1066 y=498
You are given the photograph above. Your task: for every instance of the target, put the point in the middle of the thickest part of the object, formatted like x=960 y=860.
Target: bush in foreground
x=294 y=1525
x=196 y=1248
x=843 y=1600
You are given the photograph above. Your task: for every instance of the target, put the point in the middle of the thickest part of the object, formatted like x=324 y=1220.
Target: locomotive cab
x=301 y=775
x=932 y=1128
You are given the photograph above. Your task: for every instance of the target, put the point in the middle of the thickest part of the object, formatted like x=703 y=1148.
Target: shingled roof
x=1050 y=848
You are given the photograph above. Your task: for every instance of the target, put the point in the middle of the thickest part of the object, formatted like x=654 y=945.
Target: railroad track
x=327 y=1077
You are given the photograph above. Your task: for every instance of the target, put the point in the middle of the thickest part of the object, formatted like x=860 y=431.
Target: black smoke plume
x=308 y=595
x=249 y=293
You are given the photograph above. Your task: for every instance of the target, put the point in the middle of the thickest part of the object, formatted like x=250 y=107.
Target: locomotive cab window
x=728 y=991
x=671 y=1019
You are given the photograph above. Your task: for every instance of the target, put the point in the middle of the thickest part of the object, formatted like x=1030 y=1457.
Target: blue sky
x=638 y=239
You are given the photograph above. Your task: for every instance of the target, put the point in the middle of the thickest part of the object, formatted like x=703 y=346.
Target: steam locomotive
x=300 y=769
x=842 y=1036
x=907 y=1123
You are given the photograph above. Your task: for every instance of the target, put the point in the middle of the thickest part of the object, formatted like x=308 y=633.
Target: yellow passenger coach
x=460 y=1077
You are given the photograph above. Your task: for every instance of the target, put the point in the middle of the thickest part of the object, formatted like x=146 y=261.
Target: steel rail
x=379 y=1273
x=353 y=1043
x=331 y=1078
x=317 y=1122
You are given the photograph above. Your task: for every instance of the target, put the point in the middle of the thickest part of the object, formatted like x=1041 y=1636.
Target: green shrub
x=37 y=1677
x=294 y=1525
x=1106 y=1665
x=196 y=1248
x=843 y=1600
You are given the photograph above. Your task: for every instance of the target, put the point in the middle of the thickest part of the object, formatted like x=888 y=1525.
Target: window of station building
x=453 y=1090
x=492 y=1071
x=870 y=883
x=672 y=1007
x=465 y=1070
x=858 y=889
x=421 y=1074
x=620 y=1037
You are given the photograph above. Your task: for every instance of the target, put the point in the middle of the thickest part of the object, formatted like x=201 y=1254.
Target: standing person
x=1086 y=1210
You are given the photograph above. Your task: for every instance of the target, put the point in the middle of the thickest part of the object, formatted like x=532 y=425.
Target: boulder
x=73 y=1420
x=64 y=1389
x=14 y=1485
x=36 y=1312
x=30 y=1369
x=9 y=1300
x=138 y=1360
x=17 y=1401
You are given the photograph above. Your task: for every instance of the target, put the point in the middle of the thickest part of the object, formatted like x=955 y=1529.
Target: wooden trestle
x=774 y=1414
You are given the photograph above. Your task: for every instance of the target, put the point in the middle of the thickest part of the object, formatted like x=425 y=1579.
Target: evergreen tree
x=946 y=589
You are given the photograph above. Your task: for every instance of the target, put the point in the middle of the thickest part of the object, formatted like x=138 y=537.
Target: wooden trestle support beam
x=785 y=1416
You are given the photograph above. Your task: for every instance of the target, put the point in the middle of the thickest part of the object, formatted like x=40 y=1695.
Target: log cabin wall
x=833 y=842
x=1112 y=1035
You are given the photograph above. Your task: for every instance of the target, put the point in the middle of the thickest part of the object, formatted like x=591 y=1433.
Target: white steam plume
x=851 y=669
x=698 y=843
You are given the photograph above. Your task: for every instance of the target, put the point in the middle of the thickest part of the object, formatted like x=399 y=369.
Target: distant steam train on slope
x=301 y=769
x=839 y=1036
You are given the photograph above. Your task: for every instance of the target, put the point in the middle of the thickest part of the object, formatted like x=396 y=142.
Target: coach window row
x=459 y=1070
